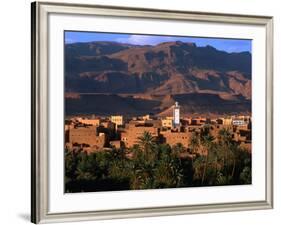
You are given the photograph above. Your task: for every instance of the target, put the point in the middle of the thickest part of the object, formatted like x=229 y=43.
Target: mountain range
x=115 y=78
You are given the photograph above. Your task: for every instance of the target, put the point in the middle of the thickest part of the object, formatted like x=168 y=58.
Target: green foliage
x=245 y=175
x=194 y=143
x=224 y=162
x=149 y=165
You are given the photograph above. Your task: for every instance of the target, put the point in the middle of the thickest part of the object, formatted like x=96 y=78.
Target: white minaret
x=176 y=115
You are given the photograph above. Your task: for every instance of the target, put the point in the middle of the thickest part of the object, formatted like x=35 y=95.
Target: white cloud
x=69 y=40
x=144 y=39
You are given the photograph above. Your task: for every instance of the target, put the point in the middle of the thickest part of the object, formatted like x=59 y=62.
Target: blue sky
x=228 y=45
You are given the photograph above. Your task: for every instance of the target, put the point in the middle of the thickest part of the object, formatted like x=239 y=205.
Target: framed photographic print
x=147 y=112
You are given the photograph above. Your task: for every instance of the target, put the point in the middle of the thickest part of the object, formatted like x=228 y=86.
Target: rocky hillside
x=156 y=76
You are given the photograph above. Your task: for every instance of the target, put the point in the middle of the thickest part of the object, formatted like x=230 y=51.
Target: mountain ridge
x=169 y=68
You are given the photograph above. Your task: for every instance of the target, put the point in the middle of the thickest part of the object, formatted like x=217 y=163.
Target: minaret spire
x=176 y=115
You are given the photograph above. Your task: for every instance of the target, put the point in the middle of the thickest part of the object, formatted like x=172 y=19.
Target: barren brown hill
x=167 y=69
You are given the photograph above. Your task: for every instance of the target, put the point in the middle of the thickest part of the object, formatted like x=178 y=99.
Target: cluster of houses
x=116 y=131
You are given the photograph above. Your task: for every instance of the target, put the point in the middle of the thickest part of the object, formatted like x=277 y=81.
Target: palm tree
x=198 y=167
x=234 y=152
x=225 y=139
x=230 y=149
x=118 y=154
x=168 y=168
x=146 y=140
x=177 y=149
x=207 y=142
x=142 y=174
x=194 y=144
x=143 y=162
x=147 y=144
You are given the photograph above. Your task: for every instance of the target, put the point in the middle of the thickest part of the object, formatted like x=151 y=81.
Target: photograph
x=140 y=112
x=145 y=111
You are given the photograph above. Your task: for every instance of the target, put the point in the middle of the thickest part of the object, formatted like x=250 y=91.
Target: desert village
x=96 y=133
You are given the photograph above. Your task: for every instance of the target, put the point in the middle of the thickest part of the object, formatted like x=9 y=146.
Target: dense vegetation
x=150 y=165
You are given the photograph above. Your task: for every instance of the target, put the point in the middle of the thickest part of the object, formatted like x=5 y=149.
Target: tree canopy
x=150 y=165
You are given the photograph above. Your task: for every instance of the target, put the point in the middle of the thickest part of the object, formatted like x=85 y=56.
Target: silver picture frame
x=40 y=103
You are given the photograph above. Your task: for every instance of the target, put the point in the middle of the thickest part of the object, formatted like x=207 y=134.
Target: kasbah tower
x=176 y=116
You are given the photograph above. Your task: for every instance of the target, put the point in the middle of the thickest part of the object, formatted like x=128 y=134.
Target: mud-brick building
x=130 y=135
x=117 y=120
x=86 y=135
x=172 y=138
x=86 y=121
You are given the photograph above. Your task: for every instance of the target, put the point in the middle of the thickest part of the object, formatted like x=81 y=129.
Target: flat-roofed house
x=118 y=120
x=174 y=137
x=86 y=136
x=130 y=135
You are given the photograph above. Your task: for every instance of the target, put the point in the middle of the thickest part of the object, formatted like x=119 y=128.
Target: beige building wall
x=118 y=120
x=131 y=134
x=173 y=138
x=227 y=121
x=108 y=124
x=87 y=135
x=167 y=122
x=93 y=122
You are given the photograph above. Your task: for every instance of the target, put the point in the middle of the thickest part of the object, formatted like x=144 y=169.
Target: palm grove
x=150 y=165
